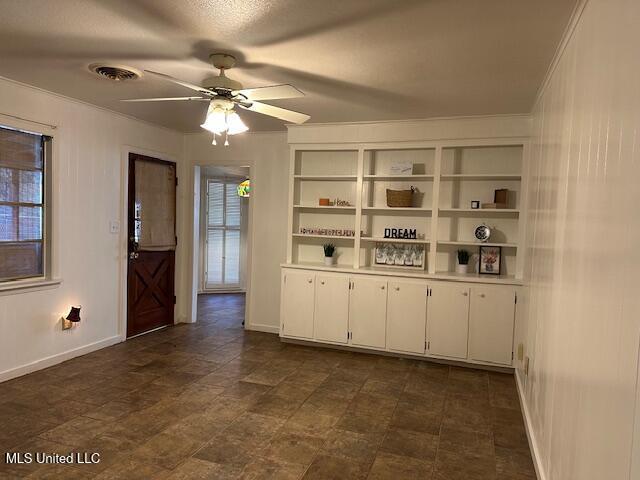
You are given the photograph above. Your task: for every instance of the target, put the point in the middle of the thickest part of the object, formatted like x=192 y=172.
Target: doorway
x=224 y=229
x=151 y=229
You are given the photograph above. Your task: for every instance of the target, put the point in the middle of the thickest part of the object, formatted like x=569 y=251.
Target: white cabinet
x=368 y=311
x=448 y=320
x=406 y=316
x=491 y=324
x=331 y=317
x=297 y=303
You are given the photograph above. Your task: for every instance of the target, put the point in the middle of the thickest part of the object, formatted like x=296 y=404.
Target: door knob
x=482 y=295
x=465 y=293
x=134 y=255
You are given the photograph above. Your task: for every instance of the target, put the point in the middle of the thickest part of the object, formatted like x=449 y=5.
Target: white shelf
x=395 y=240
x=324 y=207
x=482 y=211
x=481 y=176
x=476 y=243
x=398 y=177
x=411 y=273
x=326 y=177
x=307 y=235
x=397 y=209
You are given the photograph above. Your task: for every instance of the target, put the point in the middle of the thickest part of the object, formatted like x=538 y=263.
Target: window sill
x=23 y=286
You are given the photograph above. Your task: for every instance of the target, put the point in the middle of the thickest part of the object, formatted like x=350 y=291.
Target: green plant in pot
x=329 y=250
x=463 y=261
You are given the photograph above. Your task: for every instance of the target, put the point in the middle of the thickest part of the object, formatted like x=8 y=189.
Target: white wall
x=267 y=155
x=90 y=154
x=582 y=305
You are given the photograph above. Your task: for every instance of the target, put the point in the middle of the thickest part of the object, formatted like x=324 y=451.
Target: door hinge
x=285 y=279
x=512 y=356
x=176 y=180
x=516 y=299
x=174 y=299
x=427 y=345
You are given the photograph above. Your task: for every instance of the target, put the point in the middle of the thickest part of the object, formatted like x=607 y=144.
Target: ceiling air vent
x=117 y=73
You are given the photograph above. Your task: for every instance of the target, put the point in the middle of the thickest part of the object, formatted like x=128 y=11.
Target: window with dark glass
x=22 y=204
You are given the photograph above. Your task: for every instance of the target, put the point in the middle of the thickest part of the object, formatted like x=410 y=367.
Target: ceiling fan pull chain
x=214 y=140
x=226 y=138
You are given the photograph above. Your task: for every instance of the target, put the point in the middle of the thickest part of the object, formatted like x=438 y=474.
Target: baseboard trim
x=58 y=358
x=533 y=444
x=263 y=328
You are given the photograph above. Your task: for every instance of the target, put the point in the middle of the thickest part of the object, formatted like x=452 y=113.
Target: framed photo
x=399 y=255
x=490 y=260
x=475 y=204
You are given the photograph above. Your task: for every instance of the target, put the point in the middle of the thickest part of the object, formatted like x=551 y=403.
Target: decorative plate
x=482 y=233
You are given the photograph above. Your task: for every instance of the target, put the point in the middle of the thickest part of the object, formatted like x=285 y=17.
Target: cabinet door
x=448 y=320
x=297 y=304
x=491 y=324
x=331 y=317
x=368 y=312
x=406 y=316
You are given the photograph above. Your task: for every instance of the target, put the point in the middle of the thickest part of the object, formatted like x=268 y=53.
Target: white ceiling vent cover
x=117 y=73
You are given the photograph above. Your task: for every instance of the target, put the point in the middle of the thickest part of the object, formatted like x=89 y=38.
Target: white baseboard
x=58 y=358
x=263 y=328
x=533 y=443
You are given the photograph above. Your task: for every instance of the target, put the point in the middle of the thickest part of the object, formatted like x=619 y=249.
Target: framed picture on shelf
x=489 y=262
x=399 y=255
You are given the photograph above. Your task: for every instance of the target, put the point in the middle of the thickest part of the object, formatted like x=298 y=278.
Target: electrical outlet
x=520 y=351
x=114 y=226
x=526 y=366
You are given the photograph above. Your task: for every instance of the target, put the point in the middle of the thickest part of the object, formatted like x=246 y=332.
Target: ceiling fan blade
x=192 y=86
x=270 y=93
x=281 y=113
x=166 y=99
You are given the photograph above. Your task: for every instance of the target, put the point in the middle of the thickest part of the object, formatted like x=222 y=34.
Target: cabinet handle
x=310 y=280
x=465 y=293
x=382 y=287
x=397 y=289
x=322 y=282
x=482 y=295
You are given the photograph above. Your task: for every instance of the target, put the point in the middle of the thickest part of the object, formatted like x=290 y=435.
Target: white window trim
x=51 y=278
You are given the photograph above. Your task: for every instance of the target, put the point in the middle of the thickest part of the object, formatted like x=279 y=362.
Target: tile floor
x=211 y=401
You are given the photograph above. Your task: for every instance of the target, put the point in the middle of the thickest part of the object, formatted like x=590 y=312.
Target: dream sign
x=409 y=233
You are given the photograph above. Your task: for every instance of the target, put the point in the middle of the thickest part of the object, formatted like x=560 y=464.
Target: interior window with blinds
x=223 y=234
x=22 y=205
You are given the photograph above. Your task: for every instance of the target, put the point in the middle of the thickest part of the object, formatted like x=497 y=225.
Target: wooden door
x=331 y=315
x=491 y=319
x=368 y=312
x=406 y=316
x=298 y=292
x=152 y=242
x=448 y=320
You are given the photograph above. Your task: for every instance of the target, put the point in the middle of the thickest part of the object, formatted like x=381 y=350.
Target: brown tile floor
x=213 y=401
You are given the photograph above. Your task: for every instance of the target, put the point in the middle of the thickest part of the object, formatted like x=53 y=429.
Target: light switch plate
x=114 y=226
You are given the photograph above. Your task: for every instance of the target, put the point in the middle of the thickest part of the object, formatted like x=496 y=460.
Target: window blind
x=223 y=234
x=21 y=204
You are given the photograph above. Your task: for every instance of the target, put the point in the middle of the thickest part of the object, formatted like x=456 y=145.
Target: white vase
x=463 y=269
x=328 y=261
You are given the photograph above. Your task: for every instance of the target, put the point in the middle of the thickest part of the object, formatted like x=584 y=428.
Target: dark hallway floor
x=211 y=401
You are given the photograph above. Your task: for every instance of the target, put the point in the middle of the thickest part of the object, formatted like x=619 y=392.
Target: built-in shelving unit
x=446 y=177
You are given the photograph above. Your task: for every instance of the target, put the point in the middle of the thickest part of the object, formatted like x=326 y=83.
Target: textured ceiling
x=356 y=60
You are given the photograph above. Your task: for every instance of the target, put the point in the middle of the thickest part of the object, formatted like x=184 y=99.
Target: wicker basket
x=400 y=198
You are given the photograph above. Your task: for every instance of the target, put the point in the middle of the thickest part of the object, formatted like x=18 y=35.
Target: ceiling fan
x=224 y=94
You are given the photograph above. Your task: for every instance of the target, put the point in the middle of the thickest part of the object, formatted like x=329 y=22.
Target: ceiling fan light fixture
x=216 y=120
x=235 y=124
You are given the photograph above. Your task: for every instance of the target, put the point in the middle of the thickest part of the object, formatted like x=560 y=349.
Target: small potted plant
x=463 y=262
x=329 y=250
